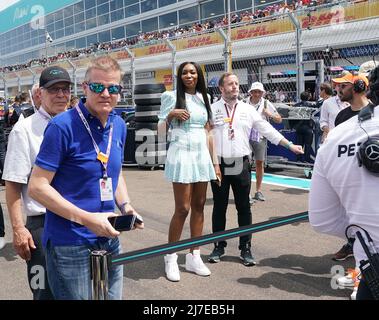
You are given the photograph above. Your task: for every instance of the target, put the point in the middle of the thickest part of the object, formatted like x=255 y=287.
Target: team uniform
x=231 y=138
x=342 y=193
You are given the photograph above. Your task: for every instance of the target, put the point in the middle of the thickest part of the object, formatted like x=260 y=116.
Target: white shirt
x=260 y=109
x=245 y=118
x=343 y=193
x=329 y=111
x=23 y=146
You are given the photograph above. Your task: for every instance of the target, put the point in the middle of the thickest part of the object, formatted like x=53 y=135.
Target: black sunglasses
x=99 y=88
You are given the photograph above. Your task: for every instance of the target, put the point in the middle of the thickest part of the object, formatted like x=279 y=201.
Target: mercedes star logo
x=372 y=152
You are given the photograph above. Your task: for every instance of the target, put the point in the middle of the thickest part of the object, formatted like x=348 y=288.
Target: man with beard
x=352 y=89
x=345 y=176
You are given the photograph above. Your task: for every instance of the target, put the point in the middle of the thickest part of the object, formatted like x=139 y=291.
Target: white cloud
x=6 y=3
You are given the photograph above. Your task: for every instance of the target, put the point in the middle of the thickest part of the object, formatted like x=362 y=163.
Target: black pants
x=304 y=137
x=2 y=228
x=238 y=176
x=36 y=266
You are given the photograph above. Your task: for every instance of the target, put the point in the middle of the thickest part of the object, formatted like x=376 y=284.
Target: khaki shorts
x=259 y=149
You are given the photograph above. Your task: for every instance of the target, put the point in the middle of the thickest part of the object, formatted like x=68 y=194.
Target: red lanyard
x=233 y=112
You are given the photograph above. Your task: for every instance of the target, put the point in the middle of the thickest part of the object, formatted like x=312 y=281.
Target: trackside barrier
x=101 y=261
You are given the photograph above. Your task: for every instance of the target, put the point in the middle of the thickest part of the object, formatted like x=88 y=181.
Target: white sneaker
x=2 y=242
x=353 y=296
x=171 y=267
x=349 y=279
x=196 y=265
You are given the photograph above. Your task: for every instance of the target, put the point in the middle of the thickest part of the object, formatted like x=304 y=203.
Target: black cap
x=53 y=75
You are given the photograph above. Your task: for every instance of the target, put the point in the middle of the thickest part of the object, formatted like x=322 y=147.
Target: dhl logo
x=335 y=17
x=200 y=41
x=122 y=55
x=252 y=32
x=158 y=49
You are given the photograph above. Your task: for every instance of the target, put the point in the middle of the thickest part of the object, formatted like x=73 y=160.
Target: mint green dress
x=188 y=158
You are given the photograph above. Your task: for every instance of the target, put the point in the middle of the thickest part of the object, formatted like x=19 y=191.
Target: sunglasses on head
x=99 y=88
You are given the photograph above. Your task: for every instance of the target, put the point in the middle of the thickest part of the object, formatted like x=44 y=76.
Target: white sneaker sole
x=202 y=274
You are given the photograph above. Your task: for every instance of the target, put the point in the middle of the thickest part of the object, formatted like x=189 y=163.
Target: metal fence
x=289 y=53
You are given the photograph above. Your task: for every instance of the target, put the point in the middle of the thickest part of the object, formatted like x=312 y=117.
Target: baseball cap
x=53 y=75
x=350 y=78
x=367 y=66
x=257 y=86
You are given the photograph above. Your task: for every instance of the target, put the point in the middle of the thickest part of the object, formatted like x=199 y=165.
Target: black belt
x=233 y=159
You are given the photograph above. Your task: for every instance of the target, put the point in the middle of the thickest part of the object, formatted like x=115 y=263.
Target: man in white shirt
x=329 y=111
x=344 y=189
x=23 y=146
x=232 y=122
x=259 y=143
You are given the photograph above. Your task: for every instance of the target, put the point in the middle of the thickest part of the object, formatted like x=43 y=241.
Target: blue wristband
x=289 y=144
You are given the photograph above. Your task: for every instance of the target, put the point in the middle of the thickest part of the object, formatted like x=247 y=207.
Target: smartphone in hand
x=124 y=223
x=218 y=181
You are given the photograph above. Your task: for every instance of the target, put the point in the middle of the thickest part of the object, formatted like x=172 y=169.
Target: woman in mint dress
x=189 y=163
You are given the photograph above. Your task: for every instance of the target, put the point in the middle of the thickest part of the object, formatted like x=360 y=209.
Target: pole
x=46 y=45
x=5 y=88
x=173 y=62
x=299 y=57
x=18 y=83
x=74 y=77
x=225 y=54
x=229 y=50
x=132 y=70
x=99 y=274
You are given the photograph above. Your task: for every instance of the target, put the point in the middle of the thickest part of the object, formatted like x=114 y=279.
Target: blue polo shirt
x=67 y=150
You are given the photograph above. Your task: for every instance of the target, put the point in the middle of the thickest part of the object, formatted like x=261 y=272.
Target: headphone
x=359 y=85
x=368 y=153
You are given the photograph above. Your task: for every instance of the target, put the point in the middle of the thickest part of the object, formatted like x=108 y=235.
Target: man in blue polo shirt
x=82 y=152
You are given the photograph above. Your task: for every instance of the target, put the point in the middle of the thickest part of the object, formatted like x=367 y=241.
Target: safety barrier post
x=226 y=52
x=5 y=88
x=33 y=75
x=99 y=274
x=132 y=70
x=173 y=62
x=299 y=57
x=74 y=77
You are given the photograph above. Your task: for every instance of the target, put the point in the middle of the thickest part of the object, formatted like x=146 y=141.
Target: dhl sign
x=246 y=33
x=120 y=55
x=332 y=17
x=339 y=14
x=150 y=50
x=161 y=48
x=200 y=41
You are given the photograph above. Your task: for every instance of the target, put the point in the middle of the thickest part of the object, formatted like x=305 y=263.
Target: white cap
x=257 y=86
x=367 y=66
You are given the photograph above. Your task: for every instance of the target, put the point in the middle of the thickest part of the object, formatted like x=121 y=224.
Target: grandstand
x=161 y=34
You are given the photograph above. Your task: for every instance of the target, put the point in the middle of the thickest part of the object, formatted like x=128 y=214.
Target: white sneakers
x=2 y=242
x=194 y=263
x=171 y=267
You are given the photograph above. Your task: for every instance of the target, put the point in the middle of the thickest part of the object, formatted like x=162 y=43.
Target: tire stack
x=130 y=147
x=149 y=153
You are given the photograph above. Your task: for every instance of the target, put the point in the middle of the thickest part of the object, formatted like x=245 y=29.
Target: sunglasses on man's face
x=99 y=88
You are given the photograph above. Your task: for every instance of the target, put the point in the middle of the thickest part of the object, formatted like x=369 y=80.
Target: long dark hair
x=200 y=87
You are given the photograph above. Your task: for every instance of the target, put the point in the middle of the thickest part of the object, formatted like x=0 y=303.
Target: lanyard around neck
x=103 y=158
x=233 y=112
